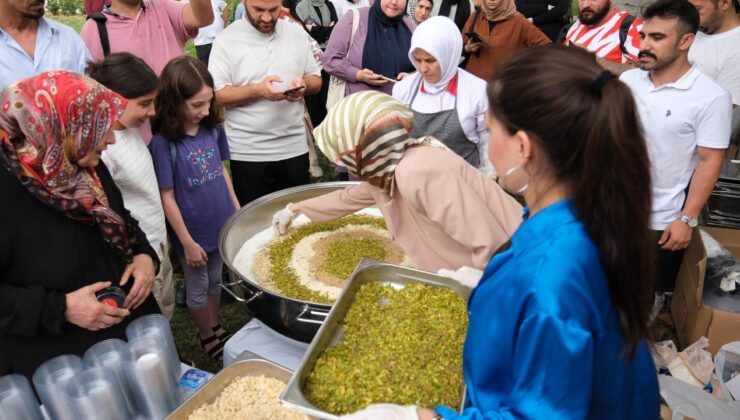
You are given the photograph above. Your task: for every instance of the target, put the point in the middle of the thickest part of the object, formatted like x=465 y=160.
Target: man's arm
x=702 y=183
x=616 y=68
x=197 y=14
x=242 y=95
x=225 y=15
x=313 y=84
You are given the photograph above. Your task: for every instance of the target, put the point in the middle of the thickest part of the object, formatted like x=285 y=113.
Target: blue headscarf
x=387 y=44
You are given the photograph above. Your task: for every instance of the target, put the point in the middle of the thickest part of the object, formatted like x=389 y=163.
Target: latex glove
x=385 y=412
x=282 y=219
x=467 y=276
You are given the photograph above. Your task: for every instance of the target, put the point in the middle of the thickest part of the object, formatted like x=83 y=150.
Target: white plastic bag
x=686 y=400
x=727 y=369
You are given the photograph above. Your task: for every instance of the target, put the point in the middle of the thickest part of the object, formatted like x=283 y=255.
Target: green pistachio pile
x=399 y=346
x=344 y=255
x=280 y=252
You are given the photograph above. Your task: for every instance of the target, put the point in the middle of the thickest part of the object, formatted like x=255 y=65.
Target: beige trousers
x=164 y=289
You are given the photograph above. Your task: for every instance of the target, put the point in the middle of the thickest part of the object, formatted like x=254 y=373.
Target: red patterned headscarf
x=50 y=121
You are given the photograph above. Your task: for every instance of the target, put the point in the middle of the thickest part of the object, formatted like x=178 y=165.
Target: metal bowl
x=295 y=318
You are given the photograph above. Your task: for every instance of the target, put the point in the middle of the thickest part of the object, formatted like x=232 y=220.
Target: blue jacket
x=544 y=340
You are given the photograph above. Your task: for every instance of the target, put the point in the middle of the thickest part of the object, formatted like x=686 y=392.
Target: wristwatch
x=691 y=221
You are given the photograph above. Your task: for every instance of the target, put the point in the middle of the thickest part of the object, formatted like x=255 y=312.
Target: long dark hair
x=592 y=142
x=181 y=79
x=125 y=74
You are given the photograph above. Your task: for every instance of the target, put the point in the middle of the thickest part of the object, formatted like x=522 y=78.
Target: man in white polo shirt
x=686 y=119
x=261 y=67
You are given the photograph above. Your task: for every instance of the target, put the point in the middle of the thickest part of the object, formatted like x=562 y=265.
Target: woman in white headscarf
x=448 y=102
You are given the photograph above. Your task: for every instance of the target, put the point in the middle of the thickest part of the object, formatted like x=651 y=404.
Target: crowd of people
x=120 y=153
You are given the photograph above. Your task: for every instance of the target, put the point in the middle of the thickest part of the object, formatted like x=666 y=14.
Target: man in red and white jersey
x=609 y=33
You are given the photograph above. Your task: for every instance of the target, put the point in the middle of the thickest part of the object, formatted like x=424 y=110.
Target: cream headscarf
x=505 y=10
x=368 y=133
x=439 y=37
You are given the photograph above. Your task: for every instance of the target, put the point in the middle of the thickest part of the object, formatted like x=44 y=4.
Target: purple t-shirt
x=201 y=192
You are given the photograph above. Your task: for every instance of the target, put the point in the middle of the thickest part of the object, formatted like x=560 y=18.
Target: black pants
x=667 y=265
x=204 y=51
x=252 y=180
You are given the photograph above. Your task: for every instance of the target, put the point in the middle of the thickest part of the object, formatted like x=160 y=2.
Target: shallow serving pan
x=332 y=331
x=252 y=366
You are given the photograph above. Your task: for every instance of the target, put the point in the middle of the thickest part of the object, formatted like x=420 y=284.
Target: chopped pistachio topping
x=399 y=346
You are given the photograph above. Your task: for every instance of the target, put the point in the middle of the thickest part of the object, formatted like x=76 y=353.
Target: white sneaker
x=657 y=306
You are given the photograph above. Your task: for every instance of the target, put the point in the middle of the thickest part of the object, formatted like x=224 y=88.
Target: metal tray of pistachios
x=301 y=388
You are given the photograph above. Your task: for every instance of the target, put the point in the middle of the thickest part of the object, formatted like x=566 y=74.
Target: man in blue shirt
x=31 y=44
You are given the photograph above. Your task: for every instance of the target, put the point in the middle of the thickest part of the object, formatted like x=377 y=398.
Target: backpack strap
x=624 y=30
x=173 y=157
x=100 y=20
x=563 y=34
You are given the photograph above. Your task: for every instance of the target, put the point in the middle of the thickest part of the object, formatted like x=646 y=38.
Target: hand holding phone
x=388 y=79
x=293 y=91
x=477 y=38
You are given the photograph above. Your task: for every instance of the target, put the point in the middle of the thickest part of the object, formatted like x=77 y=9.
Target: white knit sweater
x=130 y=164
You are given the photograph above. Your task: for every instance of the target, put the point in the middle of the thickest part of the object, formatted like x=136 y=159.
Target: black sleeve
x=25 y=310
x=554 y=14
x=530 y=10
x=115 y=200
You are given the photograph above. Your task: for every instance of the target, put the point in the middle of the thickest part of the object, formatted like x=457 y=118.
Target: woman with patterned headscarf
x=64 y=231
x=498 y=31
x=441 y=211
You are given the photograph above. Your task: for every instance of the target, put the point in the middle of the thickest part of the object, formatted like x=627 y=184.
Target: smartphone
x=388 y=79
x=292 y=91
x=477 y=38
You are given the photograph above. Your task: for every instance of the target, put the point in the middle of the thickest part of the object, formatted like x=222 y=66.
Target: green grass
x=74 y=21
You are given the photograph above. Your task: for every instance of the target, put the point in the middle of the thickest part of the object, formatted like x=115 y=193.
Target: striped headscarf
x=367 y=132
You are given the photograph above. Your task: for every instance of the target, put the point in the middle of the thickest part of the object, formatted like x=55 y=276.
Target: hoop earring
x=503 y=180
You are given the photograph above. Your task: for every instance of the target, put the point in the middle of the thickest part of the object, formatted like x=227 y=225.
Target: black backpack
x=100 y=19
x=624 y=29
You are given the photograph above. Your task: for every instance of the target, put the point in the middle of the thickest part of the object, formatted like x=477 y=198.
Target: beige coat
x=442 y=212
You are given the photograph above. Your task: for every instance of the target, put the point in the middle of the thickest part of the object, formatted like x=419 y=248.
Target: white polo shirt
x=263 y=131
x=676 y=118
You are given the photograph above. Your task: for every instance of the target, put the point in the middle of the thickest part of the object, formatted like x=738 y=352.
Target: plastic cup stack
x=109 y=354
x=17 y=401
x=154 y=387
x=157 y=326
x=51 y=380
x=96 y=395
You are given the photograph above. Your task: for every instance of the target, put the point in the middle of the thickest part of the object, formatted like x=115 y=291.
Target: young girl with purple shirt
x=189 y=150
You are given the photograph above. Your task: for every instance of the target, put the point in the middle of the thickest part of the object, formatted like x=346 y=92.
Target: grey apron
x=444 y=126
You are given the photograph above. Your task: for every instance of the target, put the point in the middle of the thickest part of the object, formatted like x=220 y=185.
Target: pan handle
x=228 y=285
x=307 y=310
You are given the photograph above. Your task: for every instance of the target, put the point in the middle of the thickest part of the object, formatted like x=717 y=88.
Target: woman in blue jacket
x=559 y=320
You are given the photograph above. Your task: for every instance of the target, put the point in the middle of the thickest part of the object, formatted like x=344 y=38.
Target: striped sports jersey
x=603 y=39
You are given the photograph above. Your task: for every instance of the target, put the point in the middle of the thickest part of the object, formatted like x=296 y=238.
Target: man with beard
x=685 y=116
x=609 y=33
x=154 y=30
x=31 y=44
x=262 y=66
x=716 y=49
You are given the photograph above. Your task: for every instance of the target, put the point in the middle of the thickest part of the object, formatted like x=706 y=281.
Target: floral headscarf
x=368 y=133
x=50 y=121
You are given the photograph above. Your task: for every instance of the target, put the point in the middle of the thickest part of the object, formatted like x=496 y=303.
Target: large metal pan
x=295 y=318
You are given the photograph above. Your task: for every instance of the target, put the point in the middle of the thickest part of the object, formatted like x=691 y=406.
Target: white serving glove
x=467 y=276
x=282 y=219
x=384 y=412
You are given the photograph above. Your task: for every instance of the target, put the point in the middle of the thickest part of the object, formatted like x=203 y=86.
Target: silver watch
x=691 y=221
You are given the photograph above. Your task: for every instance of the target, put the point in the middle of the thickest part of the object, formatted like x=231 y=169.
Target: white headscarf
x=440 y=37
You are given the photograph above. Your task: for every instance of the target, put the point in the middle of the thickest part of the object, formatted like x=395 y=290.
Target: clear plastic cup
x=17 y=401
x=95 y=394
x=51 y=379
x=158 y=326
x=154 y=387
x=109 y=355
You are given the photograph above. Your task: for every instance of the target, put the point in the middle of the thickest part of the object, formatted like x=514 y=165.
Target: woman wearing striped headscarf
x=439 y=209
